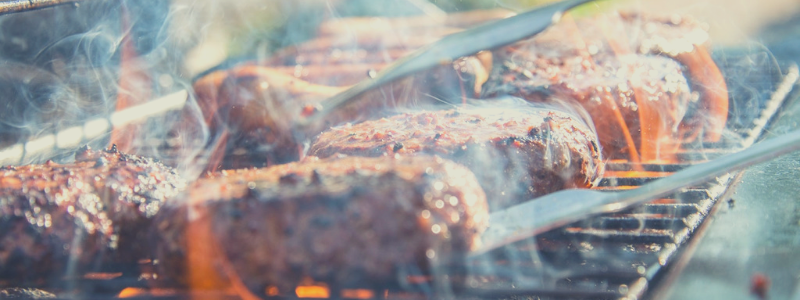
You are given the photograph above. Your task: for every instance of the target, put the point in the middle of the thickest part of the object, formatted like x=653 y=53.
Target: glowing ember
x=102 y=276
x=635 y=174
x=357 y=294
x=312 y=291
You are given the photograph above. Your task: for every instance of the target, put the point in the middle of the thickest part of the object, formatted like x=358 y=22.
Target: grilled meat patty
x=338 y=220
x=252 y=106
x=517 y=150
x=64 y=219
x=629 y=72
x=610 y=91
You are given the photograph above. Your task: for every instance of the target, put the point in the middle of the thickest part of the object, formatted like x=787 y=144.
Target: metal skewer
x=73 y=137
x=564 y=207
x=14 y=6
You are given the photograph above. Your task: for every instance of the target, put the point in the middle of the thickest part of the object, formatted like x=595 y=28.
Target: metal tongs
x=564 y=207
x=485 y=37
x=14 y=6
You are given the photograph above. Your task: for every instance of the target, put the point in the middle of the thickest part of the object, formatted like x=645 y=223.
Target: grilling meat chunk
x=338 y=220
x=91 y=212
x=517 y=150
x=630 y=72
x=609 y=91
x=253 y=105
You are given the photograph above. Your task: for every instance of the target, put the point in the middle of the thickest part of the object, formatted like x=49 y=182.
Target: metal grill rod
x=14 y=6
x=72 y=137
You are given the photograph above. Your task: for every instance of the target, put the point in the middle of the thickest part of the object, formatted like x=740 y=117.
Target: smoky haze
x=64 y=66
x=68 y=65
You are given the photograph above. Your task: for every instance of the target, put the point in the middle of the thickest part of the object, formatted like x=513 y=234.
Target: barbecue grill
x=624 y=255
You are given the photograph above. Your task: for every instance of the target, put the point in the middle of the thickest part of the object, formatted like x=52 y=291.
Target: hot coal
x=337 y=220
x=518 y=151
x=66 y=219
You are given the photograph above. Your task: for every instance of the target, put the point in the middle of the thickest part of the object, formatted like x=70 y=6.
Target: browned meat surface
x=518 y=151
x=90 y=212
x=624 y=70
x=336 y=220
x=252 y=106
x=608 y=90
x=255 y=108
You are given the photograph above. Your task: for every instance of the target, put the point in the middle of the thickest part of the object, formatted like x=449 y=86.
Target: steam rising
x=65 y=68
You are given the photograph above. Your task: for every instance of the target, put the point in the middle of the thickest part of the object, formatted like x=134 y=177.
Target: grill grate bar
x=637 y=181
x=638 y=221
x=647 y=235
x=626 y=166
x=681 y=210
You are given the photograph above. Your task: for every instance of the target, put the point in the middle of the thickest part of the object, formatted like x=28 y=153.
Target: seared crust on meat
x=340 y=220
x=518 y=151
x=253 y=105
x=648 y=82
x=90 y=212
x=609 y=90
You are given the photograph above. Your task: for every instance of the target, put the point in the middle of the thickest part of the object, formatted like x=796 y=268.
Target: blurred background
x=235 y=28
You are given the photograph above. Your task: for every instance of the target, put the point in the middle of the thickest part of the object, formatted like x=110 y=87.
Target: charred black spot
x=397 y=147
x=100 y=162
x=595 y=148
x=290 y=179
x=84 y=153
x=437 y=136
x=455 y=113
x=534 y=133
x=475 y=121
x=113 y=149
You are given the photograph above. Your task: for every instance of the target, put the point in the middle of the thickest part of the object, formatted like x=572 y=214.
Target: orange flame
x=207 y=267
x=312 y=291
x=577 y=39
x=134 y=85
x=358 y=294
